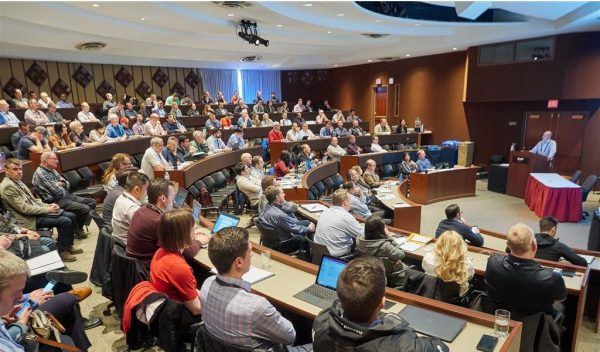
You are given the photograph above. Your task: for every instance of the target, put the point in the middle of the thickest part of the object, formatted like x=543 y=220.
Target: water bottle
x=401 y=177
x=2 y=159
x=167 y=177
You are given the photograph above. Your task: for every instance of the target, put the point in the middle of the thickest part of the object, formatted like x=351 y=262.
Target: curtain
x=215 y=80
x=265 y=81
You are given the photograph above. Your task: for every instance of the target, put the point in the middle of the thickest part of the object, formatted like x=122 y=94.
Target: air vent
x=387 y=58
x=375 y=35
x=233 y=4
x=251 y=58
x=90 y=46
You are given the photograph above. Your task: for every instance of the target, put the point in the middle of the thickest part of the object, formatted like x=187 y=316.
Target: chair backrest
x=316 y=251
x=329 y=184
x=311 y=195
x=588 y=185
x=102 y=254
x=205 y=342
x=194 y=192
x=387 y=170
x=125 y=273
x=576 y=176
x=320 y=186
x=227 y=174
x=315 y=191
x=268 y=237
x=210 y=183
x=86 y=174
x=74 y=179
x=338 y=180
x=220 y=179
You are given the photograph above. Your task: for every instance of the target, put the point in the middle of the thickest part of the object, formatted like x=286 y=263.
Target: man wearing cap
x=34 y=142
x=124 y=122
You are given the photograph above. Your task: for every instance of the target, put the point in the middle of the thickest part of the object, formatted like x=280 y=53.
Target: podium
x=521 y=164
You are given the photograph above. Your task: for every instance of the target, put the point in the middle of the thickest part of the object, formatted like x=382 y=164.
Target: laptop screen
x=196 y=207
x=329 y=271
x=180 y=197
x=225 y=220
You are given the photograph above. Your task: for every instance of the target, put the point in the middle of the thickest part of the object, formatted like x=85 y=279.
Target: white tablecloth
x=554 y=180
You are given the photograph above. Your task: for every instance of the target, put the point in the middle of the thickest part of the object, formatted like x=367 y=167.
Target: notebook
x=44 y=263
x=432 y=323
x=225 y=220
x=323 y=292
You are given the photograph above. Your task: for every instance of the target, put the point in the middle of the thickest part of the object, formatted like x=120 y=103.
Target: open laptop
x=196 y=211
x=323 y=292
x=180 y=197
x=225 y=220
x=432 y=323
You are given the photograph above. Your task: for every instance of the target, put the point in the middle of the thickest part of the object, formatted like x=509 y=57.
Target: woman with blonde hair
x=120 y=161
x=207 y=110
x=447 y=261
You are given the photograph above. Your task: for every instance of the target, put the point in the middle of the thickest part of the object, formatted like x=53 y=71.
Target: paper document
x=400 y=240
x=420 y=238
x=588 y=258
x=314 y=207
x=253 y=276
x=402 y=205
x=385 y=196
x=44 y=263
x=411 y=246
x=383 y=190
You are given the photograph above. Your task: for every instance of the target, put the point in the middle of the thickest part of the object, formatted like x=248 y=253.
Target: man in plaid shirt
x=53 y=188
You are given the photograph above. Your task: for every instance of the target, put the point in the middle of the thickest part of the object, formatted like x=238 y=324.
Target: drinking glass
x=265 y=256
x=501 y=321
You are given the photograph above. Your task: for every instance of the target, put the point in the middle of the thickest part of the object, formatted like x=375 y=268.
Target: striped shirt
x=45 y=182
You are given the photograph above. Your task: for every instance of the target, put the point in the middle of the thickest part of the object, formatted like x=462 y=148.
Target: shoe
x=90 y=323
x=82 y=235
x=75 y=250
x=81 y=293
x=69 y=277
x=67 y=257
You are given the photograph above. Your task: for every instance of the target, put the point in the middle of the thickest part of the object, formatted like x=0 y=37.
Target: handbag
x=47 y=330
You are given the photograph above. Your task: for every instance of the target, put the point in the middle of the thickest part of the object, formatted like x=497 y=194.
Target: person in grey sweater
x=377 y=242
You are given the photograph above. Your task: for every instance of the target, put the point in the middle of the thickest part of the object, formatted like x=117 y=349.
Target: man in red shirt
x=275 y=134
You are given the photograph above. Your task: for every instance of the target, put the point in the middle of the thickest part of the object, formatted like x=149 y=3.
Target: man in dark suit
x=456 y=222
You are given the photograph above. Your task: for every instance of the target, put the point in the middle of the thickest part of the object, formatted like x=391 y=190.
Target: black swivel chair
x=205 y=342
x=576 y=176
x=586 y=187
x=286 y=243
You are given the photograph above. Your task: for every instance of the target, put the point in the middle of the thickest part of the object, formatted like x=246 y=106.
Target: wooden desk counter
x=314 y=175
x=280 y=290
x=439 y=185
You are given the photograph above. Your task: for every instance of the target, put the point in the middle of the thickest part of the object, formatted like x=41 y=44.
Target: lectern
x=521 y=164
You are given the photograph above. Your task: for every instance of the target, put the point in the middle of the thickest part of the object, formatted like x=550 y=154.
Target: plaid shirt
x=45 y=184
x=232 y=314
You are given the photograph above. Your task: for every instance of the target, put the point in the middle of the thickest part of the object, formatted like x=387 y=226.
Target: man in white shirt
x=293 y=134
x=375 y=147
x=34 y=116
x=128 y=203
x=216 y=144
x=336 y=226
x=44 y=100
x=7 y=118
x=299 y=107
x=258 y=108
x=382 y=128
x=85 y=114
x=546 y=147
x=247 y=184
x=284 y=120
x=153 y=127
x=153 y=159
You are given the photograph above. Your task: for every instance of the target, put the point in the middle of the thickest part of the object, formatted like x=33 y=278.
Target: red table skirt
x=562 y=203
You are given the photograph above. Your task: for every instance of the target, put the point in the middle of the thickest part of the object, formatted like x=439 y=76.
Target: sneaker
x=67 y=257
x=75 y=250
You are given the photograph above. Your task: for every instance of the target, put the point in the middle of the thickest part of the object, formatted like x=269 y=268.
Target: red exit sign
x=552 y=103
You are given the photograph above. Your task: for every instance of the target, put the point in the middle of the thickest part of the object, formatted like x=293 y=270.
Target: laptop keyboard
x=321 y=292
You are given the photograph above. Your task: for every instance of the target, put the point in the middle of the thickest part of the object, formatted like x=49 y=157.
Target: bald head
x=547 y=135
x=521 y=241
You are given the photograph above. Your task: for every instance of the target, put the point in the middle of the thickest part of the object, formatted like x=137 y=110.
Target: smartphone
x=49 y=286
x=33 y=305
x=487 y=343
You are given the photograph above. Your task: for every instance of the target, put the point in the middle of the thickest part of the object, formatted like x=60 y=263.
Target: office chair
x=586 y=187
x=576 y=176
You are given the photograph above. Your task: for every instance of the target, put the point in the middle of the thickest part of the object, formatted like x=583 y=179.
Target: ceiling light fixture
x=407 y=55
x=248 y=31
x=335 y=65
x=378 y=21
x=369 y=60
x=279 y=25
x=454 y=49
x=307 y=5
x=328 y=32
x=417 y=25
x=95 y=5
x=340 y=14
x=230 y=14
x=143 y=19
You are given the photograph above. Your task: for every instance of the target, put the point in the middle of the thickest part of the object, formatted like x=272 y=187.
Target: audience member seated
x=206 y=99
x=278 y=215
x=59 y=138
x=377 y=241
x=353 y=117
x=136 y=189
x=173 y=98
x=284 y=165
x=284 y=120
x=447 y=261
x=305 y=133
x=359 y=203
x=151 y=101
x=355 y=319
x=338 y=116
x=375 y=147
x=199 y=143
x=231 y=312
x=111 y=197
x=193 y=111
x=109 y=103
x=114 y=129
x=142 y=235
x=33 y=143
x=299 y=107
x=550 y=248
x=170 y=152
x=236 y=140
x=355 y=129
x=334 y=151
x=19 y=101
x=119 y=162
x=169 y=272
x=244 y=121
x=98 y=134
x=15 y=138
x=158 y=109
x=117 y=110
x=130 y=112
x=455 y=221
x=170 y=125
x=293 y=135
x=273 y=99
x=352 y=148
x=321 y=117
x=336 y=227
x=283 y=108
x=288 y=207
x=63 y=103
x=257 y=167
x=382 y=128
x=357 y=178
x=183 y=147
x=53 y=115
x=326 y=106
x=124 y=122
x=53 y=188
x=247 y=184
x=207 y=110
x=299 y=120
x=258 y=107
x=327 y=130
x=12 y=235
x=419 y=125
x=7 y=118
x=255 y=120
x=340 y=130
x=138 y=126
x=153 y=127
x=44 y=100
x=308 y=107
x=175 y=110
x=216 y=144
x=408 y=166
x=85 y=115
x=306 y=156
x=423 y=163
x=270 y=108
x=226 y=121
x=34 y=116
x=539 y=289
x=153 y=159
x=402 y=127
x=370 y=175
x=266 y=121
x=78 y=135
x=235 y=98
x=275 y=134
x=32 y=213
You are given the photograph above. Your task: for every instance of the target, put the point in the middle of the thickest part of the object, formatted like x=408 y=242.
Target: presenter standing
x=545 y=147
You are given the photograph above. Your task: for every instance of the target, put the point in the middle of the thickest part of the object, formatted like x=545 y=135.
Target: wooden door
x=380 y=101
x=536 y=123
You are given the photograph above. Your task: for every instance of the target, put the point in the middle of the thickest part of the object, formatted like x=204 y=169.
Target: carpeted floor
x=488 y=210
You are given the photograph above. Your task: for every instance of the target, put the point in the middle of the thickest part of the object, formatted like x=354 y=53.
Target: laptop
x=323 y=292
x=432 y=323
x=225 y=220
x=196 y=211
x=180 y=197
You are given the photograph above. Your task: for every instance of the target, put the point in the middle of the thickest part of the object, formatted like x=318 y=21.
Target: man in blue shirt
x=159 y=110
x=236 y=140
x=171 y=125
x=7 y=118
x=546 y=147
x=423 y=163
x=327 y=131
x=170 y=152
x=114 y=130
x=456 y=222
x=216 y=144
x=212 y=123
x=273 y=217
x=63 y=103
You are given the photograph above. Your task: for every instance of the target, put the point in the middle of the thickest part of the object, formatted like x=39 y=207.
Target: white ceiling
x=201 y=34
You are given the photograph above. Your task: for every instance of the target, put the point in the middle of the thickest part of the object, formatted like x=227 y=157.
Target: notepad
x=44 y=263
x=253 y=276
x=314 y=207
x=588 y=258
x=420 y=238
x=411 y=246
x=383 y=190
x=402 y=205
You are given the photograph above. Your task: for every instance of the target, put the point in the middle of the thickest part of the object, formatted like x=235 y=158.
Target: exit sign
x=552 y=103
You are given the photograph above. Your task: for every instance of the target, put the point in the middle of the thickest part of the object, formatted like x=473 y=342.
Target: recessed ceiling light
x=143 y=19
x=328 y=32
x=369 y=60
x=230 y=14
x=454 y=49
x=95 y=5
x=279 y=25
x=335 y=65
x=417 y=25
x=407 y=55
x=307 y=5
x=378 y=21
x=340 y=14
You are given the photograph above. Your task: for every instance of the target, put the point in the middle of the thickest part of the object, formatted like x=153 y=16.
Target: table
x=551 y=195
x=308 y=179
x=439 y=185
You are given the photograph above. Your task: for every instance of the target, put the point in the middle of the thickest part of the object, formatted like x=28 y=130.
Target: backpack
x=205 y=198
